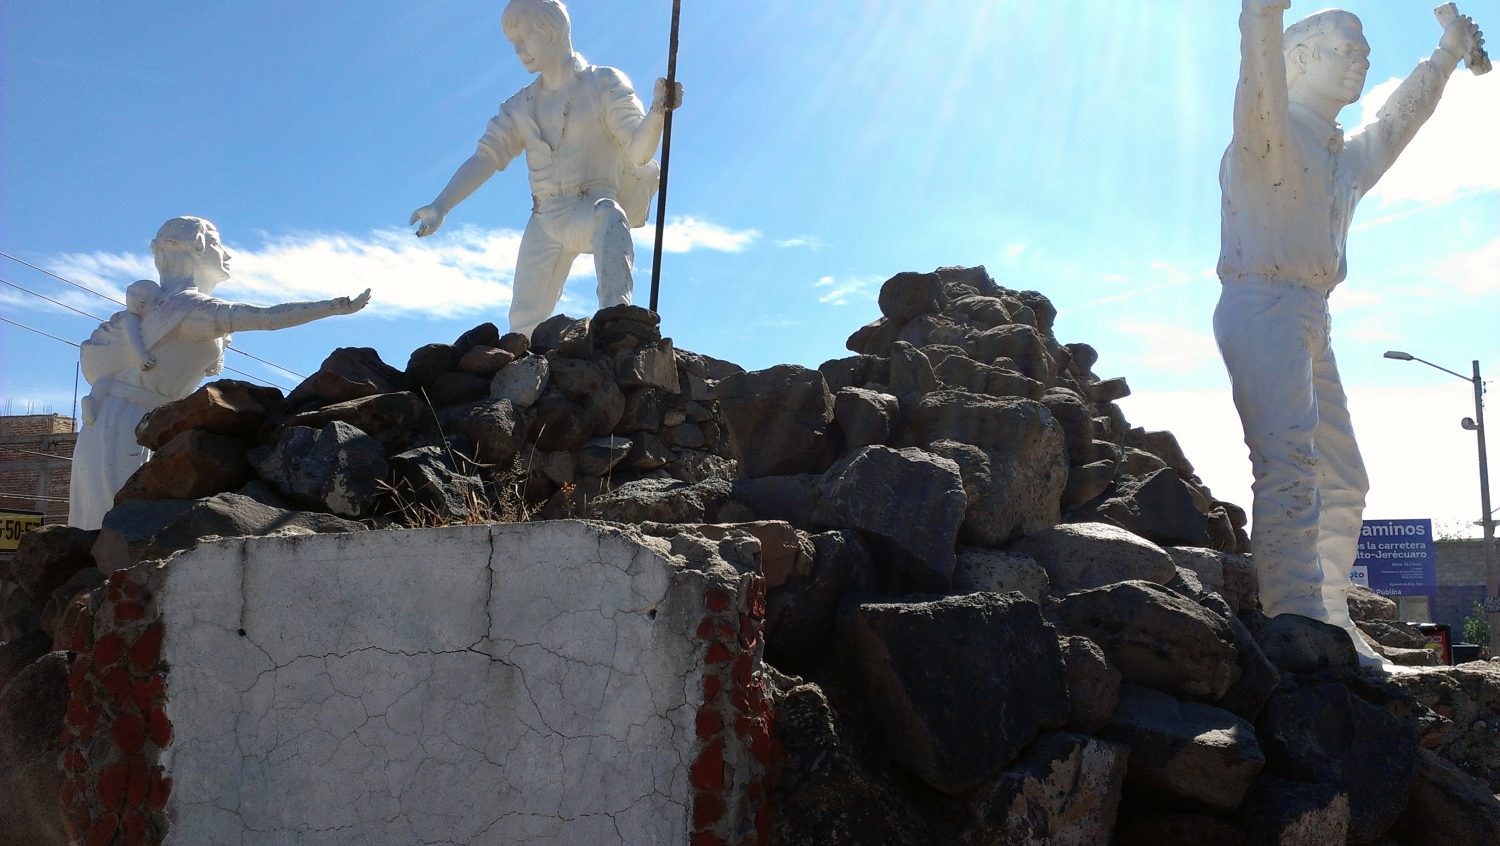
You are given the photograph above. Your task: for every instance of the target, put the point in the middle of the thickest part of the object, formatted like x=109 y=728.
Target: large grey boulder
x=1186 y=753
x=522 y=381
x=779 y=420
x=910 y=498
x=1231 y=575
x=337 y=469
x=994 y=571
x=1009 y=493
x=1064 y=791
x=1156 y=637
x=823 y=794
x=908 y=295
x=1079 y=556
x=1324 y=734
x=927 y=669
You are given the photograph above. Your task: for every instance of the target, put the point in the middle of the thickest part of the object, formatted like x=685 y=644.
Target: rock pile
x=1012 y=616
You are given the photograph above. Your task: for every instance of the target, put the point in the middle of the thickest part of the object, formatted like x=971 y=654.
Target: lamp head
x=1469 y=424
x=1398 y=355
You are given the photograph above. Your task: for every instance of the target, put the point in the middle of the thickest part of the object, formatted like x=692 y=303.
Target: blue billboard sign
x=1396 y=558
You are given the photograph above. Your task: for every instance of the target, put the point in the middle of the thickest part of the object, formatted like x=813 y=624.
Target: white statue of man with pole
x=1290 y=181
x=169 y=338
x=588 y=146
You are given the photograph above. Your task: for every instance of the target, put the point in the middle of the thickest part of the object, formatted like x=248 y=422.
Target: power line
x=59 y=278
x=34 y=452
x=117 y=302
x=38 y=331
x=71 y=344
x=50 y=300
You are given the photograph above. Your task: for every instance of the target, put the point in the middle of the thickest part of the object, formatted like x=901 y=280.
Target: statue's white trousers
x=559 y=231
x=1310 y=482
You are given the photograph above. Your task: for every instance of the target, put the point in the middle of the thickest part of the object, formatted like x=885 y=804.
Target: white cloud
x=1454 y=153
x=1350 y=298
x=684 y=234
x=1165 y=348
x=464 y=270
x=1421 y=464
x=847 y=289
x=1172 y=277
x=1477 y=272
x=1014 y=251
x=810 y=242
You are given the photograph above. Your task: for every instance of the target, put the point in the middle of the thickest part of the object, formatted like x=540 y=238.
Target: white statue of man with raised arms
x=169 y=338
x=588 y=146
x=1290 y=181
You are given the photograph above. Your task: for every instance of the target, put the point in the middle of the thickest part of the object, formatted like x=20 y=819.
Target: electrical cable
x=50 y=300
x=117 y=302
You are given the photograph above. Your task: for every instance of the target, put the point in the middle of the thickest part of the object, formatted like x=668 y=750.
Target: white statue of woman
x=158 y=350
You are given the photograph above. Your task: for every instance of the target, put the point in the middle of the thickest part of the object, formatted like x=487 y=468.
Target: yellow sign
x=13 y=524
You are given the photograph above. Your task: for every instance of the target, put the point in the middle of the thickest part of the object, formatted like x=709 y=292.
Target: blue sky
x=1072 y=147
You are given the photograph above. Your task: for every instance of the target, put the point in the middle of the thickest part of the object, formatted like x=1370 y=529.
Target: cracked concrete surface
x=513 y=684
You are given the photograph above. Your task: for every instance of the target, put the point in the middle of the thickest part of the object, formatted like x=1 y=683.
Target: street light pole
x=1487 y=516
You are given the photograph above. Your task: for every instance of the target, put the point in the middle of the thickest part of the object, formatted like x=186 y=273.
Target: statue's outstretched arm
x=1261 y=117
x=474 y=172
x=243 y=318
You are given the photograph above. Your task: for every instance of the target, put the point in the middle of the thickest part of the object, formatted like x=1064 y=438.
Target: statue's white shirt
x=601 y=113
x=1288 y=198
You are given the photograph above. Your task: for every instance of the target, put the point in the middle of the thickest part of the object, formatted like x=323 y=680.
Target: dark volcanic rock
x=1159 y=507
x=1145 y=827
x=1298 y=644
x=907 y=295
x=17 y=654
x=667 y=501
x=425 y=482
x=348 y=373
x=1066 y=789
x=1093 y=685
x=147 y=529
x=430 y=361
x=193 y=464
x=392 y=419
x=48 y=556
x=1184 y=753
x=1292 y=813
x=337 y=468
x=910 y=498
x=493 y=427
x=226 y=407
x=823 y=795
x=779 y=420
x=800 y=615
x=865 y=417
x=926 y=668
x=1324 y=734
x=1156 y=637
x=1448 y=806
x=31 y=774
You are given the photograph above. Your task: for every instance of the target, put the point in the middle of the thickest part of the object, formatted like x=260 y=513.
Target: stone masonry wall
x=559 y=682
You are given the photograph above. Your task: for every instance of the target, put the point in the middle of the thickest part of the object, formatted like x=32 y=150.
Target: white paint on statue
x=168 y=338
x=588 y=145
x=1290 y=183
